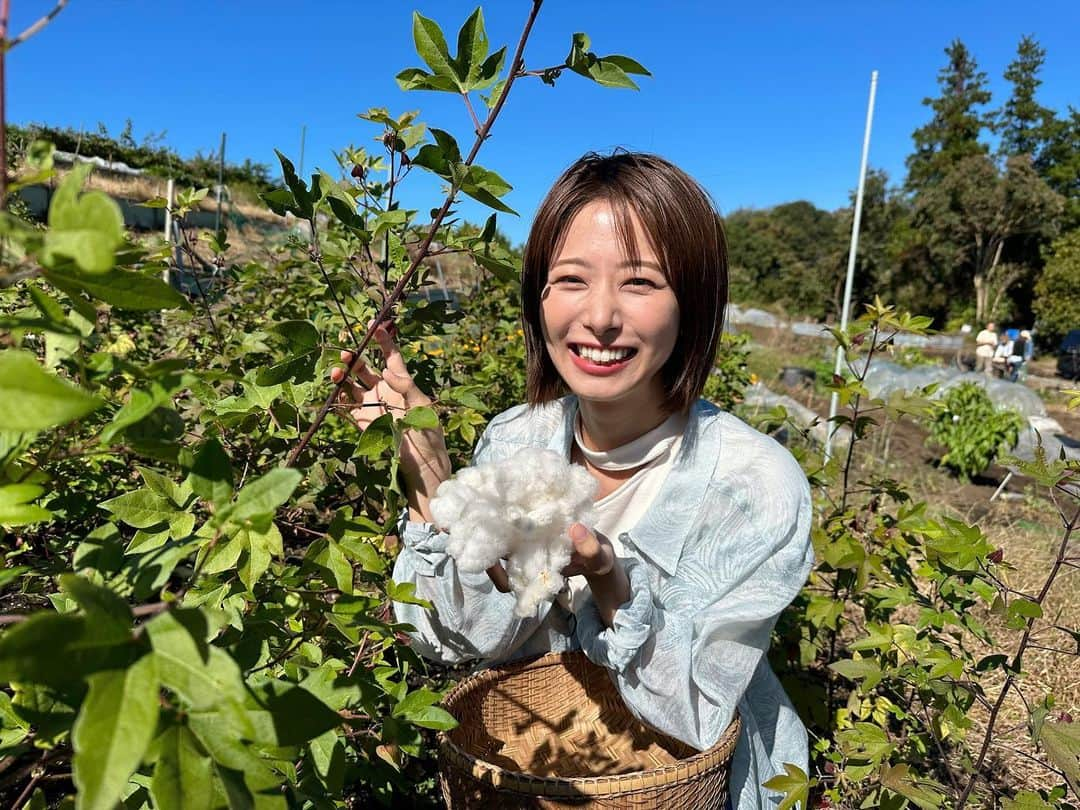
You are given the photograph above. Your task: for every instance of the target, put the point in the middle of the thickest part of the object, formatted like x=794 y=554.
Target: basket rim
x=679 y=772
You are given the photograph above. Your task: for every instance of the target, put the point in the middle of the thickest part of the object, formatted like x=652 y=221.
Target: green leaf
x=299 y=335
x=364 y=553
x=123 y=289
x=472 y=49
x=54 y=649
x=433 y=717
x=1061 y=741
x=141 y=508
x=203 y=675
x=211 y=476
x=1024 y=609
x=377 y=437
x=504 y=271
x=298 y=368
x=106 y=611
x=16 y=508
x=114 y=728
x=139 y=406
x=31 y=399
x=405 y=592
x=856 y=669
x=418 y=708
x=422 y=418
x=296 y=714
x=922 y=792
x=183 y=774
x=486 y=186
x=326 y=555
x=265 y=494
x=87 y=228
x=260 y=547
x=794 y=784
x=490 y=70
x=1026 y=800
x=431 y=47
x=328 y=757
x=417 y=79
x=304 y=205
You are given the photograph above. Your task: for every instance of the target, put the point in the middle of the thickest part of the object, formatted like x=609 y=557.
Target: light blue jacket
x=722 y=550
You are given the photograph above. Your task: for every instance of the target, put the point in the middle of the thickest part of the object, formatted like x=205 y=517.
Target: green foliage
x=1057 y=293
x=972 y=432
x=730 y=374
x=887 y=650
x=957 y=122
x=192 y=622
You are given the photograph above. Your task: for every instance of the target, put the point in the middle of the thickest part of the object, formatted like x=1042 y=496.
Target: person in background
x=985 y=342
x=1021 y=353
x=1000 y=360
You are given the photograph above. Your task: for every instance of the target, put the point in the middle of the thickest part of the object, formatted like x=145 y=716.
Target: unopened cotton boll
x=519 y=509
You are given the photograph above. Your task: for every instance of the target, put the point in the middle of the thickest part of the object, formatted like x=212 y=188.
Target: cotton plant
x=520 y=510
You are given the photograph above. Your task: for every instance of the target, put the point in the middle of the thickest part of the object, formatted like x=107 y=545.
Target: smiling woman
x=700 y=534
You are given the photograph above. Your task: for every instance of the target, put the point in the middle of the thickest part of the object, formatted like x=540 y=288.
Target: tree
x=789 y=255
x=953 y=132
x=971 y=213
x=1059 y=163
x=1022 y=122
x=1057 y=293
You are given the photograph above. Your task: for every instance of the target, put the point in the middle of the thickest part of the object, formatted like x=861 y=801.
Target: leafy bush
x=1057 y=292
x=971 y=430
x=730 y=374
x=196 y=579
x=888 y=651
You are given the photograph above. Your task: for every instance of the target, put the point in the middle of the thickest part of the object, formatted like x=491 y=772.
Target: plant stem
x=399 y=288
x=4 y=12
x=1017 y=658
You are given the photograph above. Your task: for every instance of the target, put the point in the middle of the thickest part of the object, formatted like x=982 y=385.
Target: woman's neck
x=607 y=425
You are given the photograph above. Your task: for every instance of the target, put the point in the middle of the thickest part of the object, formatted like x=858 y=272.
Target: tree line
x=986 y=225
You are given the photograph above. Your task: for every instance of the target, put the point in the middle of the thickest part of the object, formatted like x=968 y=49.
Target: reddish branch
x=399 y=289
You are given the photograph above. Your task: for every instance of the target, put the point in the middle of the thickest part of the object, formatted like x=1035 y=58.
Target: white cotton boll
x=534 y=575
x=520 y=509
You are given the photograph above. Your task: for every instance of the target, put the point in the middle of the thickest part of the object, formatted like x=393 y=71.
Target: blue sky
x=762 y=102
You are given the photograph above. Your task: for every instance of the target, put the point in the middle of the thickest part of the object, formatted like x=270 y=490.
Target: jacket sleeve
x=684 y=671
x=470 y=619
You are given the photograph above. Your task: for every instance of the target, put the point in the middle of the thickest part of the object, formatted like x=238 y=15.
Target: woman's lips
x=600 y=369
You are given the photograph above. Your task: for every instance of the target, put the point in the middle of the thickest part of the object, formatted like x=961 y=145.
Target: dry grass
x=148 y=187
x=1029 y=530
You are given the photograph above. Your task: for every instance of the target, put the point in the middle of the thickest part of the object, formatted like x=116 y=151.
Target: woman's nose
x=602 y=311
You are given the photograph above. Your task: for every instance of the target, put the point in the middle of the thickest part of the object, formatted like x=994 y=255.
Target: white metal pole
x=168 y=227
x=835 y=401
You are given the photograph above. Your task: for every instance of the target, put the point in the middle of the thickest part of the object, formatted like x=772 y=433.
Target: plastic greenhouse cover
x=884 y=377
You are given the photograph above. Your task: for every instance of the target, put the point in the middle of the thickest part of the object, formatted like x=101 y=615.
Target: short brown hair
x=684 y=230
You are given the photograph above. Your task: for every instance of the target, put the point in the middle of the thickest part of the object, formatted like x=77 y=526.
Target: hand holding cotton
x=519 y=509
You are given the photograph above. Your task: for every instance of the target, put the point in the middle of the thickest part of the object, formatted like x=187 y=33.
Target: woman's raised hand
x=369 y=394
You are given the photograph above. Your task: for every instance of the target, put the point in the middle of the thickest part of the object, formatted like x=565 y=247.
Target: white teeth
x=603 y=355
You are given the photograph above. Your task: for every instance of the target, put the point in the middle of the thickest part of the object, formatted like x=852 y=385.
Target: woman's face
x=609 y=327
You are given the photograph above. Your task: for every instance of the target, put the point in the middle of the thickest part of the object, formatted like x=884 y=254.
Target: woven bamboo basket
x=554 y=733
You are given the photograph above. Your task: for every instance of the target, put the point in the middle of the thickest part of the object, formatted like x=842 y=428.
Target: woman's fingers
x=397 y=374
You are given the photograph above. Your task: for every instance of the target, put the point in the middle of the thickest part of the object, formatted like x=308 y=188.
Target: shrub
x=971 y=430
x=730 y=374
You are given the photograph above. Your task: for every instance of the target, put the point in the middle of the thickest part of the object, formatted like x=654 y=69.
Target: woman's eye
x=642 y=283
x=567 y=280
